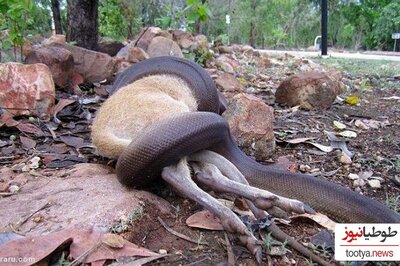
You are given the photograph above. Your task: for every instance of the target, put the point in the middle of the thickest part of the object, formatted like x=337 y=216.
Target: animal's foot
x=178 y=176
x=210 y=175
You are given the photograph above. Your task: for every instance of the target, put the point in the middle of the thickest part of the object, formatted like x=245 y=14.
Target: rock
x=264 y=61
x=310 y=90
x=55 y=39
x=109 y=47
x=161 y=46
x=93 y=66
x=184 y=39
x=26 y=89
x=227 y=59
x=136 y=54
x=121 y=65
x=224 y=66
x=227 y=82
x=251 y=124
x=374 y=183
x=225 y=49
x=201 y=42
x=58 y=59
x=146 y=35
x=88 y=195
x=396 y=77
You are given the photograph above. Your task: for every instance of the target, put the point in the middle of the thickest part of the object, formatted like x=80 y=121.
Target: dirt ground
x=376 y=149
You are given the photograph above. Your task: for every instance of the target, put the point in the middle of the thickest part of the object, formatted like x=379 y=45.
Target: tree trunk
x=82 y=23
x=55 y=9
x=252 y=37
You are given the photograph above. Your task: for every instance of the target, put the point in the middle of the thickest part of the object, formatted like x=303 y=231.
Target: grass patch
x=381 y=68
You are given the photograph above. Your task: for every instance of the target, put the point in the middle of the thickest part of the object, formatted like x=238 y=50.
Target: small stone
x=163 y=251
x=344 y=158
x=374 y=183
x=13 y=188
x=304 y=168
x=353 y=176
x=359 y=182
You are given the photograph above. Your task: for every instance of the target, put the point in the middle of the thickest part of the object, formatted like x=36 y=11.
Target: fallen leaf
x=113 y=240
x=143 y=261
x=321 y=219
x=3 y=143
x=62 y=103
x=391 y=98
x=7 y=119
x=297 y=140
x=75 y=142
x=348 y=134
x=30 y=128
x=27 y=143
x=321 y=147
x=353 y=100
x=205 y=220
x=339 y=125
x=84 y=240
x=38 y=248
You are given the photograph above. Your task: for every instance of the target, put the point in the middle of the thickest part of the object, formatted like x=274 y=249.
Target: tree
x=82 y=23
x=55 y=9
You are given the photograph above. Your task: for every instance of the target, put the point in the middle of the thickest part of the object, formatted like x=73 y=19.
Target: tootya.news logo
x=367 y=242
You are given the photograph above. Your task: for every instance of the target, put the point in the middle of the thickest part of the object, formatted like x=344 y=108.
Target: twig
x=19 y=224
x=179 y=234
x=229 y=250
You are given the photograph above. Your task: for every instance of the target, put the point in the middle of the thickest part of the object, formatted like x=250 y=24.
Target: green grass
x=381 y=68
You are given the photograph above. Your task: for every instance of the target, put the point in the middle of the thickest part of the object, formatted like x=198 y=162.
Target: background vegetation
x=353 y=24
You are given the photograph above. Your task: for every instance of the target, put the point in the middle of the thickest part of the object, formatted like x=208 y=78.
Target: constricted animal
x=163 y=115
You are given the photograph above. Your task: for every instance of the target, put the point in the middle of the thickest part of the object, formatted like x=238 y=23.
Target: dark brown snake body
x=164 y=143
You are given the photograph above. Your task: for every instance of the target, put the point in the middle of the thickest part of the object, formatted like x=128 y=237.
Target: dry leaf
x=62 y=103
x=320 y=219
x=353 y=100
x=113 y=240
x=205 y=220
x=322 y=147
x=297 y=140
x=72 y=141
x=339 y=125
x=30 y=128
x=27 y=143
x=348 y=134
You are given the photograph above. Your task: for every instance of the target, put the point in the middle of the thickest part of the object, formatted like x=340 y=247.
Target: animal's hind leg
x=178 y=176
x=208 y=171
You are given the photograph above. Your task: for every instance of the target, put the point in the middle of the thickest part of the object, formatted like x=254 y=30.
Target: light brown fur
x=135 y=106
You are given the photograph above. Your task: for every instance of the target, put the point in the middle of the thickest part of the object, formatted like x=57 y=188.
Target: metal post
x=324 y=27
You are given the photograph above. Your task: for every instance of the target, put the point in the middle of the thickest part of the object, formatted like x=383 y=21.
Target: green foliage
x=118 y=18
x=386 y=24
x=18 y=18
x=197 y=11
x=15 y=19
